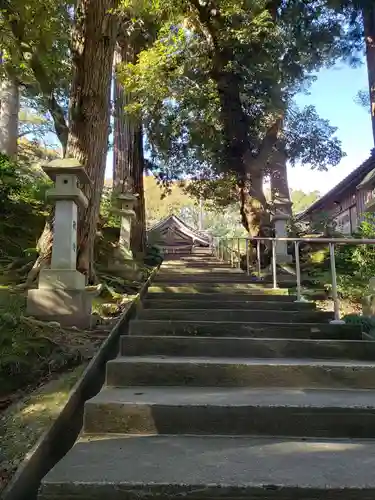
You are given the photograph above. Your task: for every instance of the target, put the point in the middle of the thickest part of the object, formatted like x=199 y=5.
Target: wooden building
x=348 y=200
x=172 y=235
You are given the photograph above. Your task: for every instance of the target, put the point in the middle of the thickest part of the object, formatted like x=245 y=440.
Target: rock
x=54 y=324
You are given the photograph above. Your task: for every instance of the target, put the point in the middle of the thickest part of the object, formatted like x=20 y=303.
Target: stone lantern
x=61 y=294
x=122 y=261
x=280 y=220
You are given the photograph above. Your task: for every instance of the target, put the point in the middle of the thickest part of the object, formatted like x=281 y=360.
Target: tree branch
x=18 y=30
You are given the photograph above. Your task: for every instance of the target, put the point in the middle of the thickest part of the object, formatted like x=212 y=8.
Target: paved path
x=225 y=388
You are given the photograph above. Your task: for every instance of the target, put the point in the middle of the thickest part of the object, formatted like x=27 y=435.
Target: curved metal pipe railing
x=228 y=249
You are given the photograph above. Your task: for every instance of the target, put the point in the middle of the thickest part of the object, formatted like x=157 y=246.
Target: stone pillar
x=61 y=294
x=122 y=261
x=280 y=221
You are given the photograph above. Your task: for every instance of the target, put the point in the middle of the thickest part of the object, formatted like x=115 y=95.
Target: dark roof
x=352 y=180
x=368 y=180
x=175 y=222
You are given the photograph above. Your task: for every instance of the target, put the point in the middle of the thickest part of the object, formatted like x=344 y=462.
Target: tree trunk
x=238 y=155
x=128 y=158
x=9 y=109
x=94 y=40
x=369 y=29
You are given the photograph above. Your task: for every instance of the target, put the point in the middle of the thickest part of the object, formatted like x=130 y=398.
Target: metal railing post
x=259 y=267
x=239 y=253
x=298 y=271
x=247 y=257
x=274 y=264
x=335 y=297
x=232 y=254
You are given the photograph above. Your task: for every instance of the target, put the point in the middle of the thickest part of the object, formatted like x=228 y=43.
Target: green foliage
x=106 y=206
x=358 y=261
x=366 y=322
x=10 y=183
x=311 y=140
x=175 y=83
x=355 y=263
x=26 y=349
x=22 y=200
x=302 y=200
x=153 y=256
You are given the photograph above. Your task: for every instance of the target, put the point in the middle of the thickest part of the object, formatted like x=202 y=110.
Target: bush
x=10 y=182
x=366 y=322
x=153 y=256
x=358 y=261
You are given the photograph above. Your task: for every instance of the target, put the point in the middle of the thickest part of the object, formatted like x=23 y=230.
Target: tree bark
x=94 y=42
x=93 y=48
x=9 y=109
x=369 y=30
x=128 y=157
x=238 y=151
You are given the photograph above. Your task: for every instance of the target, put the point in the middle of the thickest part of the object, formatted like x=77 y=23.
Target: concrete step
x=222 y=279
x=245 y=329
x=213 y=467
x=247 y=347
x=219 y=271
x=237 y=315
x=212 y=264
x=228 y=288
x=222 y=297
x=207 y=270
x=232 y=411
x=161 y=303
x=240 y=372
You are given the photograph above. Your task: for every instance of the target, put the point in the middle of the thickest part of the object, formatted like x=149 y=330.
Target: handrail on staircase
x=226 y=249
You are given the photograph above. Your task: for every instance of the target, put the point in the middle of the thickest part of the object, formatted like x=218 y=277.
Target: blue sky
x=333 y=96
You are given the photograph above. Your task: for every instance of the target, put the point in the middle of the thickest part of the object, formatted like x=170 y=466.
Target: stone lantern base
x=67 y=307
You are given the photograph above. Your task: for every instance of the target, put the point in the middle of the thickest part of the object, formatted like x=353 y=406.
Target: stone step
x=240 y=315
x=222 y=297
x=212 y=264
x=232 y=411
x=223 y=279
x=217 y=270
x=245 y=329
x=240 y=372
x=161 y=303
x=230 y=288
x=247 y=347
x=207 y=269
x=213 y=467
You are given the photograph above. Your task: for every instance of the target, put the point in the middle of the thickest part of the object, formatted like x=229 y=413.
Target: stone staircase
x=224 y=389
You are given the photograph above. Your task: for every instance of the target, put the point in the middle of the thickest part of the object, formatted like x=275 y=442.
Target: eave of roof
x=368 y=180
x=193 y=233
x=351 y=180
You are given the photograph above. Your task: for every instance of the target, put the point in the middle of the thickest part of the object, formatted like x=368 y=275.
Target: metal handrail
x=220 y=249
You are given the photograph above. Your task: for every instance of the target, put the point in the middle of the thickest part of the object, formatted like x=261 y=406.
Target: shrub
x=153 y=256
x=10 y=182
x=366 y=322
x=358 y=261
